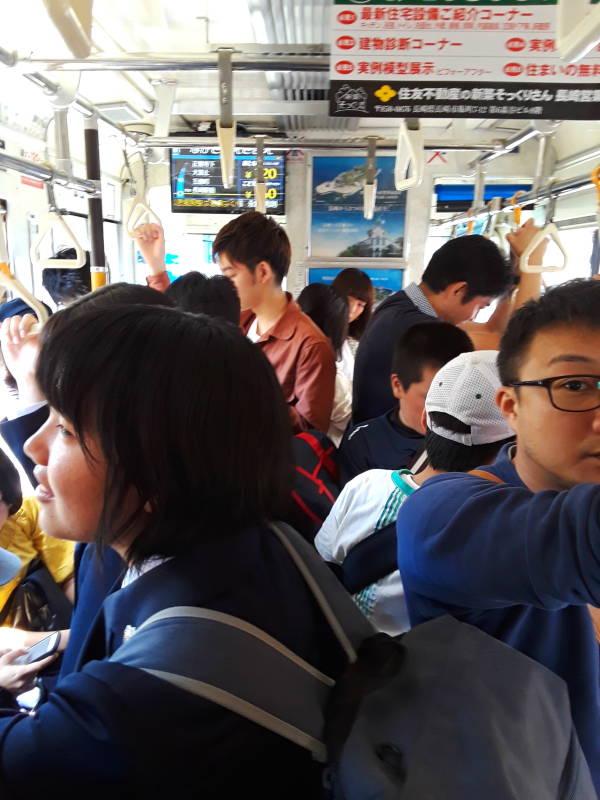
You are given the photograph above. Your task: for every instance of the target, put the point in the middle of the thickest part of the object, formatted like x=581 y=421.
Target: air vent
x=120 y=112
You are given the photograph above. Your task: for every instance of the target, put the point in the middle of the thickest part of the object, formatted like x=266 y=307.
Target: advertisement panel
x=456 y=58
x=339 y=229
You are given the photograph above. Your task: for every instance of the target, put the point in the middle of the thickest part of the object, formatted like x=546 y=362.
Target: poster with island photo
x=338 y=226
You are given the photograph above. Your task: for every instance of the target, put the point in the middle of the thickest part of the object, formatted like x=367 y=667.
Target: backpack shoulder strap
x=168 y=646
x=488 y=476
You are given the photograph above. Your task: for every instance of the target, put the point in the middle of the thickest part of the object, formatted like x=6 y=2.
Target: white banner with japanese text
x=456 y=58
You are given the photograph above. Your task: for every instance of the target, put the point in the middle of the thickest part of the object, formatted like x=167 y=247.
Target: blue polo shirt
x=519 y=565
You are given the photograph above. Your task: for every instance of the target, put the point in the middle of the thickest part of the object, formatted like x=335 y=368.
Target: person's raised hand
x=150 y=239
x=20 y=347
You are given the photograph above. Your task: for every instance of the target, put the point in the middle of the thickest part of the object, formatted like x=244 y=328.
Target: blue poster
x=385 y=281
x=339 y=229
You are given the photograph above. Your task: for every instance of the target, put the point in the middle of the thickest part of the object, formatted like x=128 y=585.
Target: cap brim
x=10 y=564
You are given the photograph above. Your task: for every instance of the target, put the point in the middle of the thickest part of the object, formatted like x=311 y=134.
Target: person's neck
x=434 y=299
x=271 y=308
x=403 y=422
x=425 y=474
x=533 y=476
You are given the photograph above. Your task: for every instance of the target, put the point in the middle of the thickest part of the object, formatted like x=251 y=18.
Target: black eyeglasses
x=570 y=392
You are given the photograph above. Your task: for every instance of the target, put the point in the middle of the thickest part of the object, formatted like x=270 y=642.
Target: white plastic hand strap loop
x=138 y=211
x=370 y=194
x=550 y=231
x=8 y=280
x=260 y=196
x=410 y=155
x=57 y=220
x=226 y=138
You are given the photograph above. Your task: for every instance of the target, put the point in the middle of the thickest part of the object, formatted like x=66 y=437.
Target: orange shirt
x=304 y=362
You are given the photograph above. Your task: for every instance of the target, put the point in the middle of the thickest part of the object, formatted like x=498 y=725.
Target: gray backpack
x=444 y=712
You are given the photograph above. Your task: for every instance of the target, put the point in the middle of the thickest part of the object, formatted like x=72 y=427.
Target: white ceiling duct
x=292 y=22
x=73 y=20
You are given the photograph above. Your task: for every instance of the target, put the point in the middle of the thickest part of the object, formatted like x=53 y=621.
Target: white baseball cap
x=465 y=388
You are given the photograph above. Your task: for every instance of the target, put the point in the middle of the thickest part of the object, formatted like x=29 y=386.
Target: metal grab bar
x=410 y=155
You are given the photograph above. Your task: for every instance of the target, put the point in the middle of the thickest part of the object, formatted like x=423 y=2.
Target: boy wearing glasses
x=517 y=552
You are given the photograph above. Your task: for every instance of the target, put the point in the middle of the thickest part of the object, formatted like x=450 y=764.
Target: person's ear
x=263 y=272
x=396 y=387
x=508 y=402
x=424 y=420
x=458 y=290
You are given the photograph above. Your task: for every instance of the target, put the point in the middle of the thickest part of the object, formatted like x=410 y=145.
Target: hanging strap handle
x=549 y=231
x=55 y=219
x=8 y=280
x=410 y=155
x=517 y=210
x=138 y=211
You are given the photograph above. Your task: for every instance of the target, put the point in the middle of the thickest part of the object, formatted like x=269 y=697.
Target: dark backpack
x=316 y=482
x=444 y=712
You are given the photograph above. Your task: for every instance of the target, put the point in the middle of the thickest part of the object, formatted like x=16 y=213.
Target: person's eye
x=578 y=385
x=64 y=432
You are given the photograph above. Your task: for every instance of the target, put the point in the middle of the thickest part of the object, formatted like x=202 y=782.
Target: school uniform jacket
x=108 y=727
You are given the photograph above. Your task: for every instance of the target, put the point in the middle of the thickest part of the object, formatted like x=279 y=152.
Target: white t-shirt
x=253 y=333
x=342 y=407
x=367 y=503
x=346 y=361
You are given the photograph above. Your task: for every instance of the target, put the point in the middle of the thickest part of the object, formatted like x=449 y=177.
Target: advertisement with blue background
x=385 y=281
x=339 y=229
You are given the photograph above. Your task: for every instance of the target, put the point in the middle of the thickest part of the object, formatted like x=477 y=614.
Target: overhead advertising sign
x=456 y=58
x=339 y=229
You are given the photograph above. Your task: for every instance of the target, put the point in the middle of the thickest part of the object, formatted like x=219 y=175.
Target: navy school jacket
x=520 y=566
x=113 y=728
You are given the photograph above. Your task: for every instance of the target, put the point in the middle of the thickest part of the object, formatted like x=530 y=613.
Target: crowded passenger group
x=221 y=469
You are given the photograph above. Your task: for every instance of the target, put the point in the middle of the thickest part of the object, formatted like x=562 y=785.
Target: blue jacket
x=116 y=728
x=371 y=393
x=380 y=443
x=15 y=433
x=520 y=566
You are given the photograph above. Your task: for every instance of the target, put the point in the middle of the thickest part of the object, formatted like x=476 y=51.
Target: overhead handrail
x=410 y=155
x=8 y=280
x=596 y=182
x=55 y=219
x=370 y=188
x=549 y=231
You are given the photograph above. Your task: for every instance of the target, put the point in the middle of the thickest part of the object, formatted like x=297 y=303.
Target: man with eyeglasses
x=515 y=549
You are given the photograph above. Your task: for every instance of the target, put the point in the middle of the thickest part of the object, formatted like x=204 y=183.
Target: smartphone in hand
x=45 y=647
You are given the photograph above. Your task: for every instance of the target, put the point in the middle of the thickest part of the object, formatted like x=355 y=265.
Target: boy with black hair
x=199 y=294
x=516 y=551
x=395 y=439
x=66 y=285
x=460 y=434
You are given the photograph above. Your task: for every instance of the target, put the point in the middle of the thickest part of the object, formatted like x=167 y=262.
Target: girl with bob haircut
x=356 y=286
x=329 y=310
x=168 y=440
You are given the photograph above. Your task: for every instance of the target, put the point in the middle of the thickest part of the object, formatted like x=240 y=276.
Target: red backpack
x=316 y=482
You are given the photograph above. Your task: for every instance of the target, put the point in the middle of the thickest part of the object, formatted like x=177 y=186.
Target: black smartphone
x=45 y=647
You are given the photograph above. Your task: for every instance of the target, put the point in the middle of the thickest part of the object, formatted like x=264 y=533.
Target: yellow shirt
x=21 y=535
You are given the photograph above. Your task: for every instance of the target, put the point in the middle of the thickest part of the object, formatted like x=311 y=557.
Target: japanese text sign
x=456 y=58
